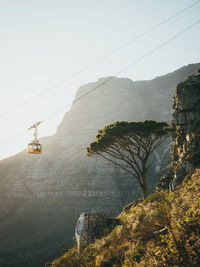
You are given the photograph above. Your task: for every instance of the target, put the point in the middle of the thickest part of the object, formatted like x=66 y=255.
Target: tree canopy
x=129 y=145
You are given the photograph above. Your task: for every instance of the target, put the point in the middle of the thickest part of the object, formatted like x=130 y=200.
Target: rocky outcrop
x=91 y=226
x=46 y=193
x=185 y=152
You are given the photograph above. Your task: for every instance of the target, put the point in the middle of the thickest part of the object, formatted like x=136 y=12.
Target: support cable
x=109 y=79
x=98 y=60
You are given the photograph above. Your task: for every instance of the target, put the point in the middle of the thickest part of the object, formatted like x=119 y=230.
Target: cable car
x=35 y=147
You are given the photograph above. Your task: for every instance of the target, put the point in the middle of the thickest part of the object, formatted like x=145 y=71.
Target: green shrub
x=132 y=204
x=156 y=197
x=137 y=254
x=187 y=180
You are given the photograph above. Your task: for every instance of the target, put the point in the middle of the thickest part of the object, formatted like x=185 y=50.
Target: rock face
x=185 y=153
x=46 y=193
x=89 y=227
x=186 y=103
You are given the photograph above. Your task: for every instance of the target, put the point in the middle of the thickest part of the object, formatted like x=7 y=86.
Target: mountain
x=43 y=195
x=162 y=229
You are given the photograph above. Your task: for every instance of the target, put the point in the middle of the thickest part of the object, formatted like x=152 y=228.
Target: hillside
x=161 y=231
x=47 y=193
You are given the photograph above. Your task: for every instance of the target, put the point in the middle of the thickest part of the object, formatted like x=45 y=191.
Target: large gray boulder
x=89 y=227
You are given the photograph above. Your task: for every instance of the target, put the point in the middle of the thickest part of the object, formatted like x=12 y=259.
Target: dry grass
x=161 y=231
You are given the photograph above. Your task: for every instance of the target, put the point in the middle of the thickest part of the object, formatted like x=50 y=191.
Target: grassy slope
x=161 y=231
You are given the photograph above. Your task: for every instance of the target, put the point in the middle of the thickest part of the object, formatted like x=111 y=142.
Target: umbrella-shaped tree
x=129 y=146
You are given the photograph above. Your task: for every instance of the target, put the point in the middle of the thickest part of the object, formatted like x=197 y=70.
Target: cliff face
x=185 y=151
x=47 y=193
x=186 y=103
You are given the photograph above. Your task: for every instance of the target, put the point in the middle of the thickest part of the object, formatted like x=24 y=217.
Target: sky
x=43 y=42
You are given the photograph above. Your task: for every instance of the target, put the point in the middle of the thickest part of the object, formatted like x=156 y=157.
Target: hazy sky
x=45 y=41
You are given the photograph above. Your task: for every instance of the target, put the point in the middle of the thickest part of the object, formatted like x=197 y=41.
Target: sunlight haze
x=44 y=42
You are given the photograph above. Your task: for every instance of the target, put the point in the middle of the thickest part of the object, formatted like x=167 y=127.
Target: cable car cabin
x=34 y=148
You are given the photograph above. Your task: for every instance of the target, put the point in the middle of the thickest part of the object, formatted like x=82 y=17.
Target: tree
x=129 y=146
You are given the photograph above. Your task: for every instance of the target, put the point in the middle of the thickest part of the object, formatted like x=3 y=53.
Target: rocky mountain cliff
x=42 y=196
x=186 y=124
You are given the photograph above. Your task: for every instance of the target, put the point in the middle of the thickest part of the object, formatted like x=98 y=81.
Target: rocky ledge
x=185 y=152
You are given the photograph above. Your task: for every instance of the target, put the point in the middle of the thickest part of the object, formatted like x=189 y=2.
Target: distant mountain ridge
x=47 y=193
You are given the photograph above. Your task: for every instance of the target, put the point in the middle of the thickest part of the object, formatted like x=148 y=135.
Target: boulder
x=91 y=226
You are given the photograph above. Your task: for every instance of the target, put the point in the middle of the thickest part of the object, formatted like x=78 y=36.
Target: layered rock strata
x=185 y=152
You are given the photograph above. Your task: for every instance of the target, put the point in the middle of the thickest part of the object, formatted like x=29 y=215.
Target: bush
x=187 y=180
x=137 y=254
x=156 y=197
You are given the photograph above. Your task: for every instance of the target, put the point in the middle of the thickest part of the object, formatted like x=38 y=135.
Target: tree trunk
x=143 y=189
x=143 y=183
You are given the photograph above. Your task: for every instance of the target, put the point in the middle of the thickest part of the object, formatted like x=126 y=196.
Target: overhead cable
x=138 y=60
x=119 y=72
x=98 y=60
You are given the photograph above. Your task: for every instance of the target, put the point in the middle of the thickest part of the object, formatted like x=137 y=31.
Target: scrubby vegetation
x=162 y=230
